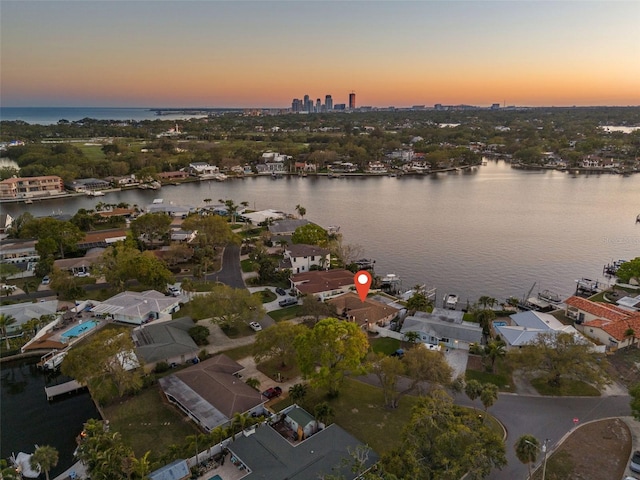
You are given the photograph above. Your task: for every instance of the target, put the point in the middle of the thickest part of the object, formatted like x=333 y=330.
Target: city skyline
x=263 y=54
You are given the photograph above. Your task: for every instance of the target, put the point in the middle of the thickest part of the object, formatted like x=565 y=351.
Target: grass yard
x=272 y=368
x=265 y=296
x=146 y=422
x=247 y=266
x=92 y=152
x=502 y=377
x=568 y=388
x=239 y=352
x=595 y=451
x=386 y=345
x=287 y=313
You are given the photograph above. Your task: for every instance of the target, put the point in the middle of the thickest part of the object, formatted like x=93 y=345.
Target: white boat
x=450 y=301
x=52 y=360
x=95 y=193
x=22 y=464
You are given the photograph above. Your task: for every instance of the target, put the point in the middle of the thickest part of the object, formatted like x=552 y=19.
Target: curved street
x=230 y=273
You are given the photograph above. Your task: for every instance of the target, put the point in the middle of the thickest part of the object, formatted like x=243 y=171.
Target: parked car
x=255 y=326
x=83 y=274
x=173 y=291
x=398 y=353
x=280 y=291
x=46 y=280
x=287 y=302
x=635 y=462
x=272 y=392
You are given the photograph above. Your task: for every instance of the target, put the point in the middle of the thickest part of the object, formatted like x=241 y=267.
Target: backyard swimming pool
x=79 y=329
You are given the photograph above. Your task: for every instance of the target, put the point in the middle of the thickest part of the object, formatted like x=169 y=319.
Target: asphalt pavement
x=230 y=273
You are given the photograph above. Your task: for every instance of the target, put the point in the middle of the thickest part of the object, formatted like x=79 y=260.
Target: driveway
x=230 y=273
x=273 y=305
x=457 y=359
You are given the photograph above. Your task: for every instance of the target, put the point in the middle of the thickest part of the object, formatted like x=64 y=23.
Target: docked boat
x=390 y=283
x=52 y=360
x=549 y=297
x=22 y=464
x=365 y=263
x=587 y=286
x=450 y=301
x=95 y=193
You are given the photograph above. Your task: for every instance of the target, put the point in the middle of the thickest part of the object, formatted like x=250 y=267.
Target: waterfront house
x=172 y=176
x=138 y=308
x=167 y=342
x=23 y=312
x=158 y=206
x=581 y=310
x=210 y=392
x=202 y=170
x=324 y=284
x=31 y=187
x=84 y=185
x=443 y=326
x=301 y=258
x=262 y=216
x=367 y=313
x=524 y=327
x=376 y=167
x=286 y=227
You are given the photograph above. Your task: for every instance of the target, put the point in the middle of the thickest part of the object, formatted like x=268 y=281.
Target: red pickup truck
x=272 y=392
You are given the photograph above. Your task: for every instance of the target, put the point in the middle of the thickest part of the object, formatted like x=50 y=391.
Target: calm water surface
x=489 y=231
x=27 y=418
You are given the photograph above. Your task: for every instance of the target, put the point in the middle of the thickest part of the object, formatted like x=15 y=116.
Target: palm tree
x=484 y=300
x=323 y=412
x=297 y=392
x=411 y=337
x=29 y=286
x=495 y=350
x=630 y=334
x=473 y=389
x=283 y=244
x=253 y=382
x=239 y=422
x=527 y=447
x=301 y=211
x=5 y=322
x=488 y=396
x=45 y=458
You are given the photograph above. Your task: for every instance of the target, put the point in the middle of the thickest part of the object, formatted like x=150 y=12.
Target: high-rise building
x=296 y=105
x=318 y=105
x=328 y=103
x=308 y=104
x=352 y=101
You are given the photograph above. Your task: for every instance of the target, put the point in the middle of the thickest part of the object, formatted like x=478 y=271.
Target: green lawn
x=285 y=313
x=265 y=296
x=503 y=382
x=92 y=152
x=568 y=388
x=386 y=345
x=146 y=423
x=247 y=265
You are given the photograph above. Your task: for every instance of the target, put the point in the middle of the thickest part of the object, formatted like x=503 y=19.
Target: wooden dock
x=63 y=388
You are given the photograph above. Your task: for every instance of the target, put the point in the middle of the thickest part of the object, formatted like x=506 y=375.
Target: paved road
x=542 y=417
x=230 y=273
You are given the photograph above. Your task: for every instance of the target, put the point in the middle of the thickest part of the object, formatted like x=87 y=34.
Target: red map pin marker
x=362 y=280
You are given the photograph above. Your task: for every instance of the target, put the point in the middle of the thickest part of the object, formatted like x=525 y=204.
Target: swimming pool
x=79 y=329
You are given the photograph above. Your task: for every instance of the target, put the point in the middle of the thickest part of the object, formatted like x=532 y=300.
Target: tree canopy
x=629 y=270
x=560 y=356
x=277 y=341
x=105 y=364
x=227 y=306
x=151 y=227
x=310 y=234
x=336 y=346
x=445 y=441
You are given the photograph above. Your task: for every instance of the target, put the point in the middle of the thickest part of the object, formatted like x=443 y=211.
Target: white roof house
x=525 y=327
x=263 y=216
x=138 y=308
x=23 y=312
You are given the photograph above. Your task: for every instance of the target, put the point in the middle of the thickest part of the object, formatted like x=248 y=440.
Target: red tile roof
x=618 y=329
x=598 y=309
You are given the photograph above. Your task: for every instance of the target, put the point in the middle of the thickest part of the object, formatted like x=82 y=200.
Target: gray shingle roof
x=268 y=455
x=438 y=328
x=159 y=341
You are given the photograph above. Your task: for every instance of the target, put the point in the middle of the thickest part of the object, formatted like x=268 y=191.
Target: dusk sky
x=263 y=54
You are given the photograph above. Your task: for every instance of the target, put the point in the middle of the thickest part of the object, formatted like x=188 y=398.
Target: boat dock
x=62 y=389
